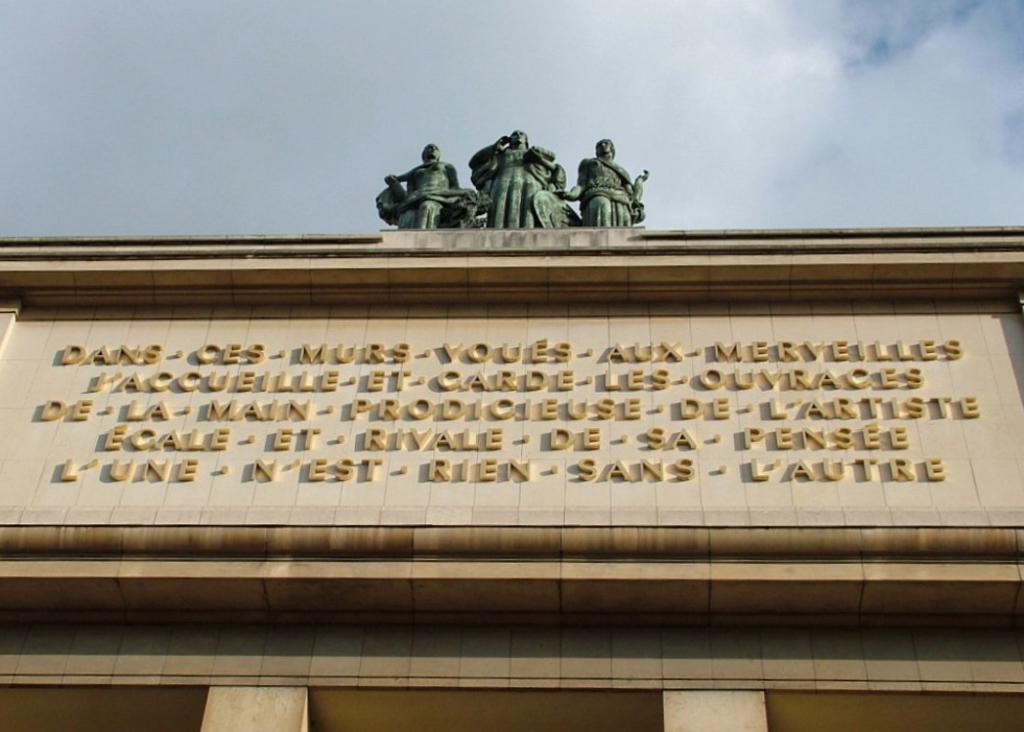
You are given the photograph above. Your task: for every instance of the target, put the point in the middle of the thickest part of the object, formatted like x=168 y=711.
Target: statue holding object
x=607 y=194
x=517 y=187
x=524 y=185
x=431 y=198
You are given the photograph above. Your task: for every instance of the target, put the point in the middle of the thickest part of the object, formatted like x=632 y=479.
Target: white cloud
x=196 y=117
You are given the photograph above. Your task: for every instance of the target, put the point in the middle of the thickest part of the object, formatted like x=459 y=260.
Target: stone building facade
x=547 y=480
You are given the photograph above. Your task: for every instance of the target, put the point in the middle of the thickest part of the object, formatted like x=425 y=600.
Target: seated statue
x=524 y=186
x=607 y=195
x=431 y=198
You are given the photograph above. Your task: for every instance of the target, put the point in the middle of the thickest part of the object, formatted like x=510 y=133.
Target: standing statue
x=606 y=194
x=524 y=185
x=432 y=198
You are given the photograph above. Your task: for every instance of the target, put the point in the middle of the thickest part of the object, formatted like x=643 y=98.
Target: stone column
x=714 y=711
x=256 y=709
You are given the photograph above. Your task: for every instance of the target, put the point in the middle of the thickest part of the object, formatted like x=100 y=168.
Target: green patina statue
x=431 y=199
x=524 y=185
x=517 y=186
x=607 y=195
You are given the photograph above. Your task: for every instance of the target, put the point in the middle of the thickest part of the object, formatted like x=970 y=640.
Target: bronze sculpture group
x=516 y=187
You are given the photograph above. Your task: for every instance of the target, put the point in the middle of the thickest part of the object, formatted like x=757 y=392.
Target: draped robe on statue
x=606 y=193
x=519 y=182
x=433 y=199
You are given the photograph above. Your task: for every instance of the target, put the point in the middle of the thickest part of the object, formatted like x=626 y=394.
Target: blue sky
x=250 y=116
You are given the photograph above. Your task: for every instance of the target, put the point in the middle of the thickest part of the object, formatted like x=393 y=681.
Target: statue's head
x=431 y=153
x=519 y=138
x=605 y=148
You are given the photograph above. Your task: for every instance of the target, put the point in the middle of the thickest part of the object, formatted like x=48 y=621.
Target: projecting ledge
x=788 y=593
x=491 y=266
x=522 y=543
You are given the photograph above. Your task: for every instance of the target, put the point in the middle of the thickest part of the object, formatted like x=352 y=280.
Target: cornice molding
x=571 y=265
x=625 y=543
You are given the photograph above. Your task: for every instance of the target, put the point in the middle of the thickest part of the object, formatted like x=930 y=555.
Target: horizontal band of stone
x=536 y=575
x=637 y=592
x=520 y=242
x=569 y=265
x=452 y=656
x=157 y=246
x=527 y=543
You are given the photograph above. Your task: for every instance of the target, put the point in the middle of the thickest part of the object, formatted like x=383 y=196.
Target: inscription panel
x=540 y=416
